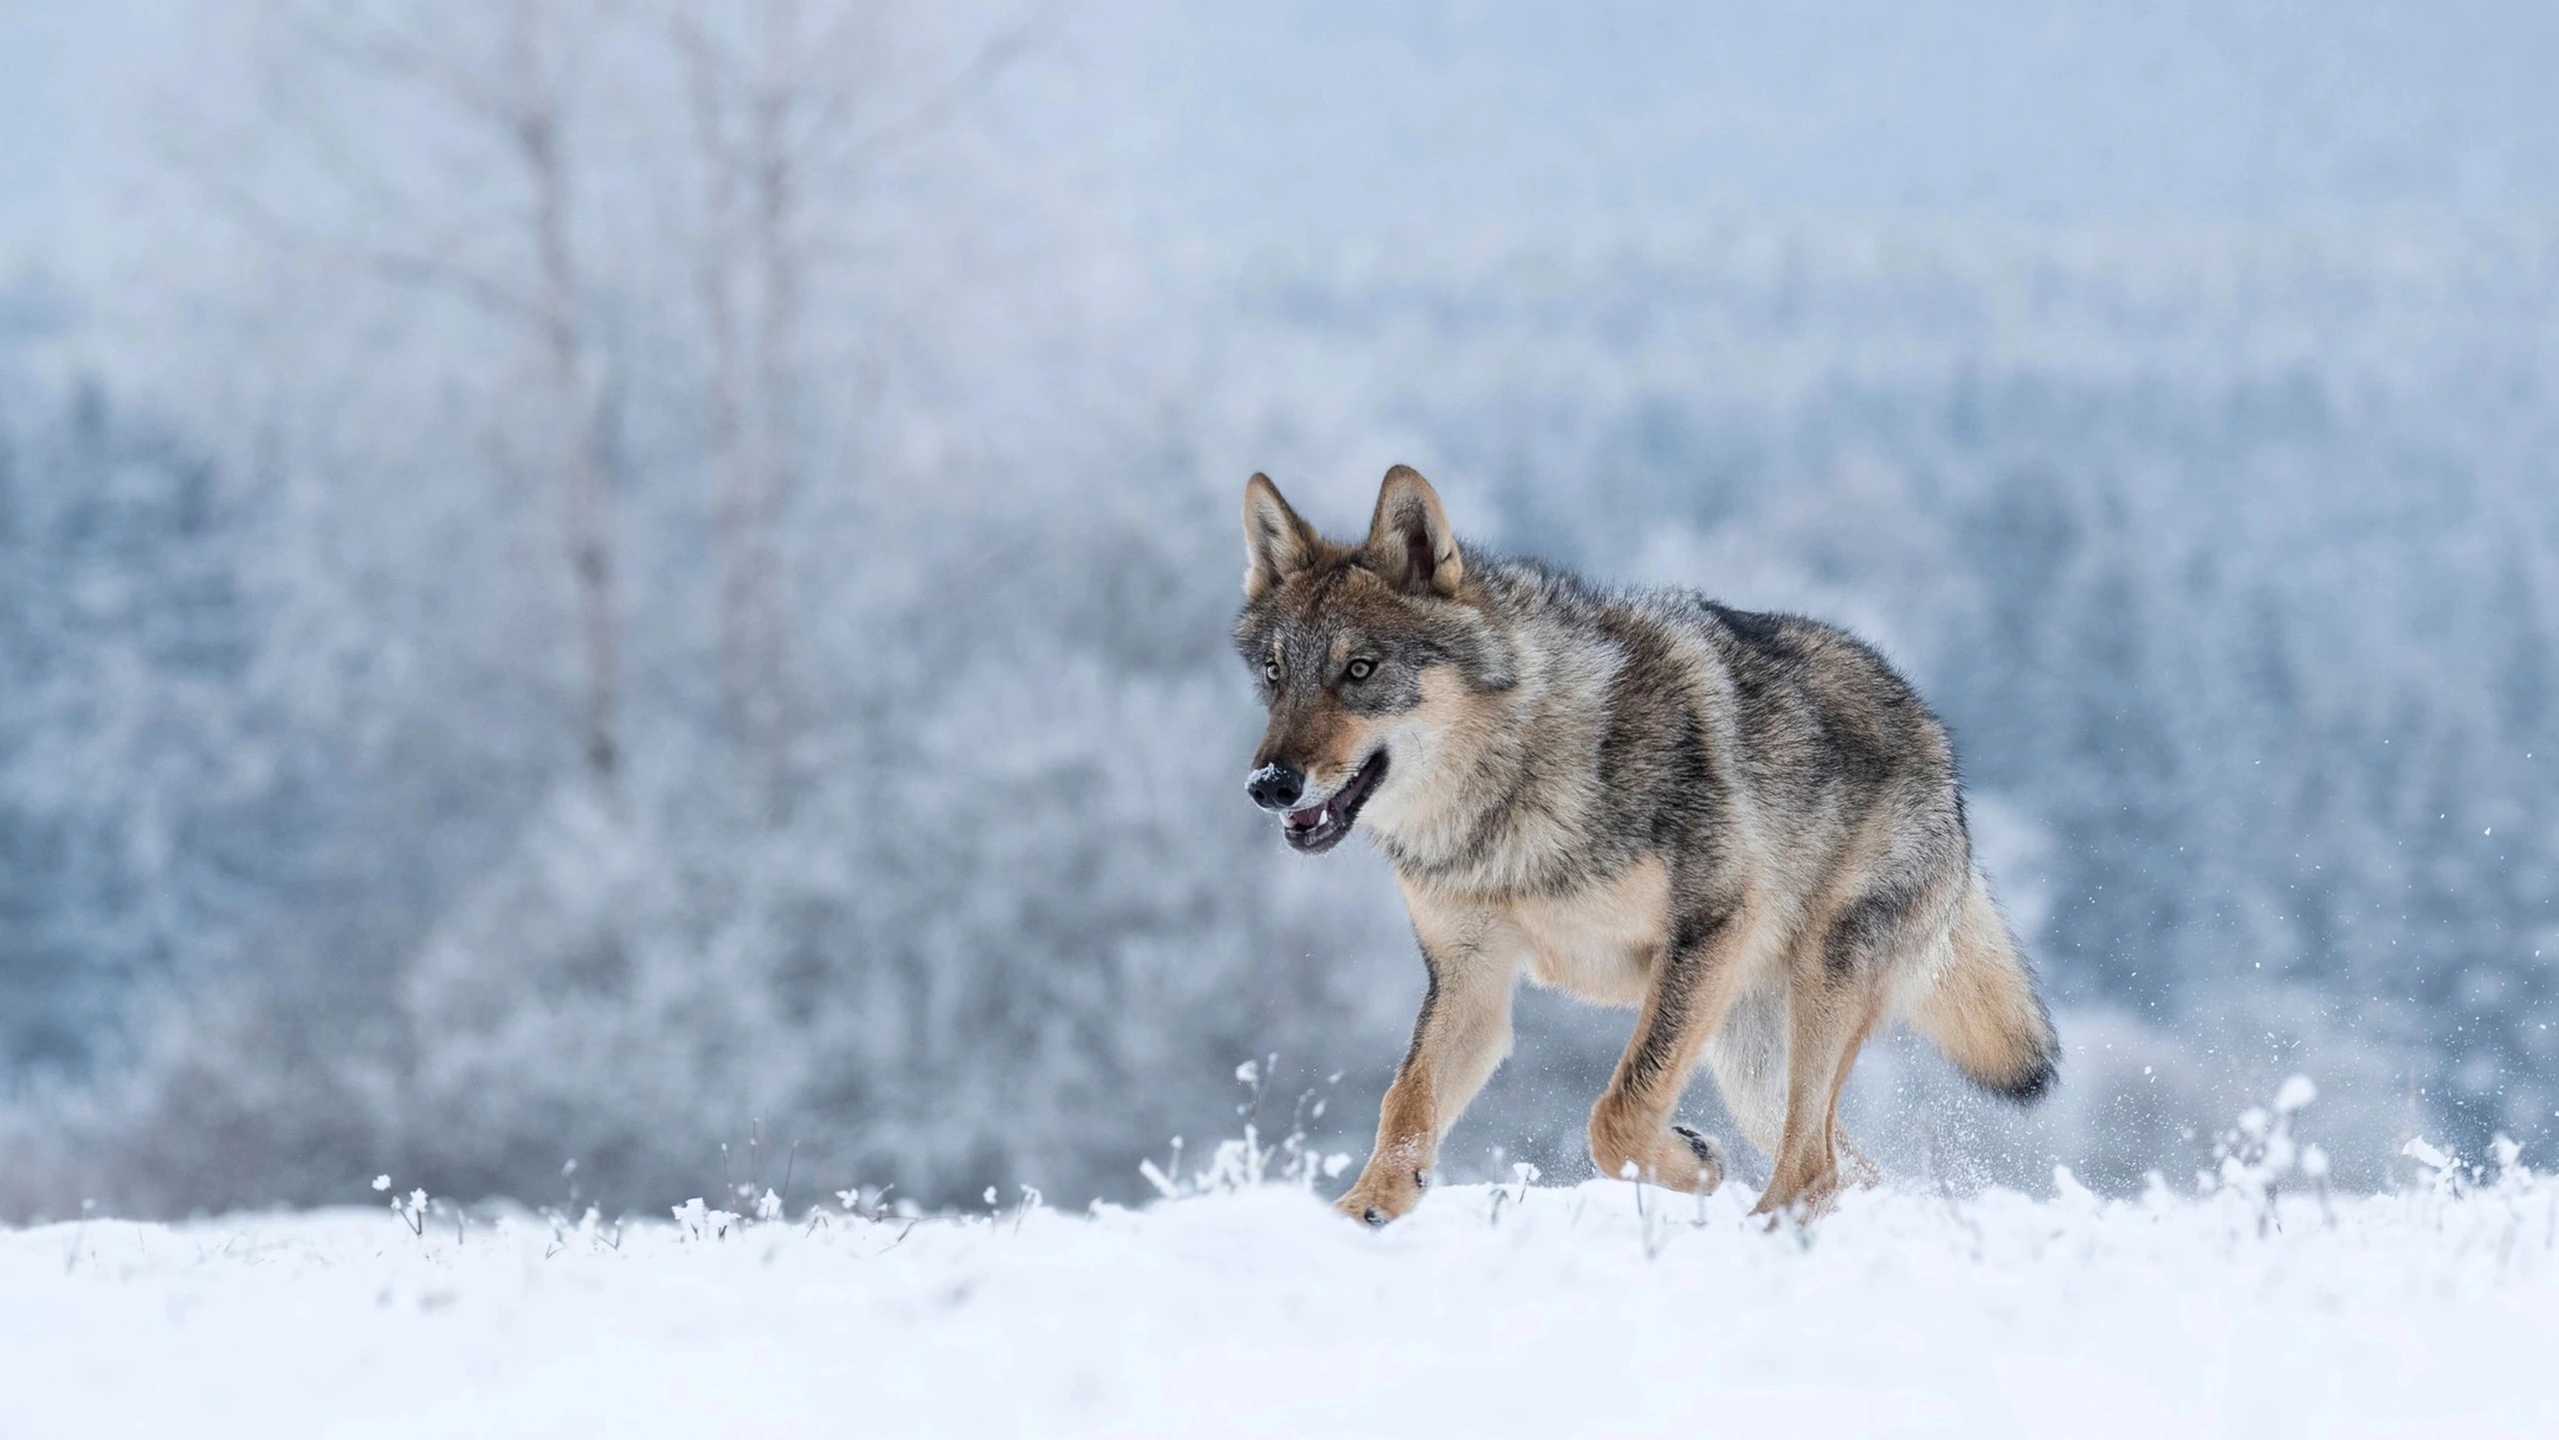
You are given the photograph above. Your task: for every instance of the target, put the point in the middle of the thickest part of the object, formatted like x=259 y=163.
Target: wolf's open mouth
x=1319 y=828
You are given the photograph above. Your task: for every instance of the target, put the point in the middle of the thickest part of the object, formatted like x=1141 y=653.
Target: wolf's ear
x=1276 y=543
x=1409 y=541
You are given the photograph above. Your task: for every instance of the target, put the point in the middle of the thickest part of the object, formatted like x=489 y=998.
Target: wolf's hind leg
x=1828 y=1024
x=1748 y=1057
x=1631 y=1136
x=1854 y=1168
x=1836 y=986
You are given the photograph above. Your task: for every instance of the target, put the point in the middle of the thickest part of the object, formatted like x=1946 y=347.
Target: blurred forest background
x=579 y=576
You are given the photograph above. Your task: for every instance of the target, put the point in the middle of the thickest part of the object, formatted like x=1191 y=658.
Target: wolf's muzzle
x=1316 y=828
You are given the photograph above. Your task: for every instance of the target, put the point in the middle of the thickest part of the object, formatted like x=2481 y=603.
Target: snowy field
x=1537 y=1311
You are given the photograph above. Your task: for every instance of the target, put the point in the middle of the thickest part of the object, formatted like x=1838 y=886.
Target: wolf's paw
x=1378 y=1198
x=1633 y=1146
x=1710 y=1157
x=1799 y=1200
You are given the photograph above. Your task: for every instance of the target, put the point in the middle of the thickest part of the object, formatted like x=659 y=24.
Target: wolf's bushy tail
x=1983 y=1012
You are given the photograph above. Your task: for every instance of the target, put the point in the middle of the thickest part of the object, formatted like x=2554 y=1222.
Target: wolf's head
x=1370 y=657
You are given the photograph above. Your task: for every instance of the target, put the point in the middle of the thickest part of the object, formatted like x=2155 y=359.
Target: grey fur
x=1800 y=796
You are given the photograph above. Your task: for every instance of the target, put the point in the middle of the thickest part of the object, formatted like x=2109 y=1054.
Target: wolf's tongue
x=1307 y=818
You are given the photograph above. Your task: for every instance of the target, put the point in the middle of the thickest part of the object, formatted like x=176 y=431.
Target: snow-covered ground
x=1544 y=1311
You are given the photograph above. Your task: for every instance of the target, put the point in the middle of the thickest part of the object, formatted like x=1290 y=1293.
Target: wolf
x=1746 y=827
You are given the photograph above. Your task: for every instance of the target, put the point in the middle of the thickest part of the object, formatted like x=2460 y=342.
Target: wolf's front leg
x=1462 y=1034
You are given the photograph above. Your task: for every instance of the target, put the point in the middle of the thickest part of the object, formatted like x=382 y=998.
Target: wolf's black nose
x=1276 y=786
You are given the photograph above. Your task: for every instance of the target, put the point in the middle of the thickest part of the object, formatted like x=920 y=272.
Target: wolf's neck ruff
x=1507 y=799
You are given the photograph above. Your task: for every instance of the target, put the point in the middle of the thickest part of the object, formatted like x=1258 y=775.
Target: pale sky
x=1335 y=124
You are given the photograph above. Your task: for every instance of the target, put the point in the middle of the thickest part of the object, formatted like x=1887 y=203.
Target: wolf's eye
x=1361 y=668
x=1270 y=671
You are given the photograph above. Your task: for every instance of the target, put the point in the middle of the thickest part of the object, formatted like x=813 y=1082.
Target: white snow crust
x=1544 y=1312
